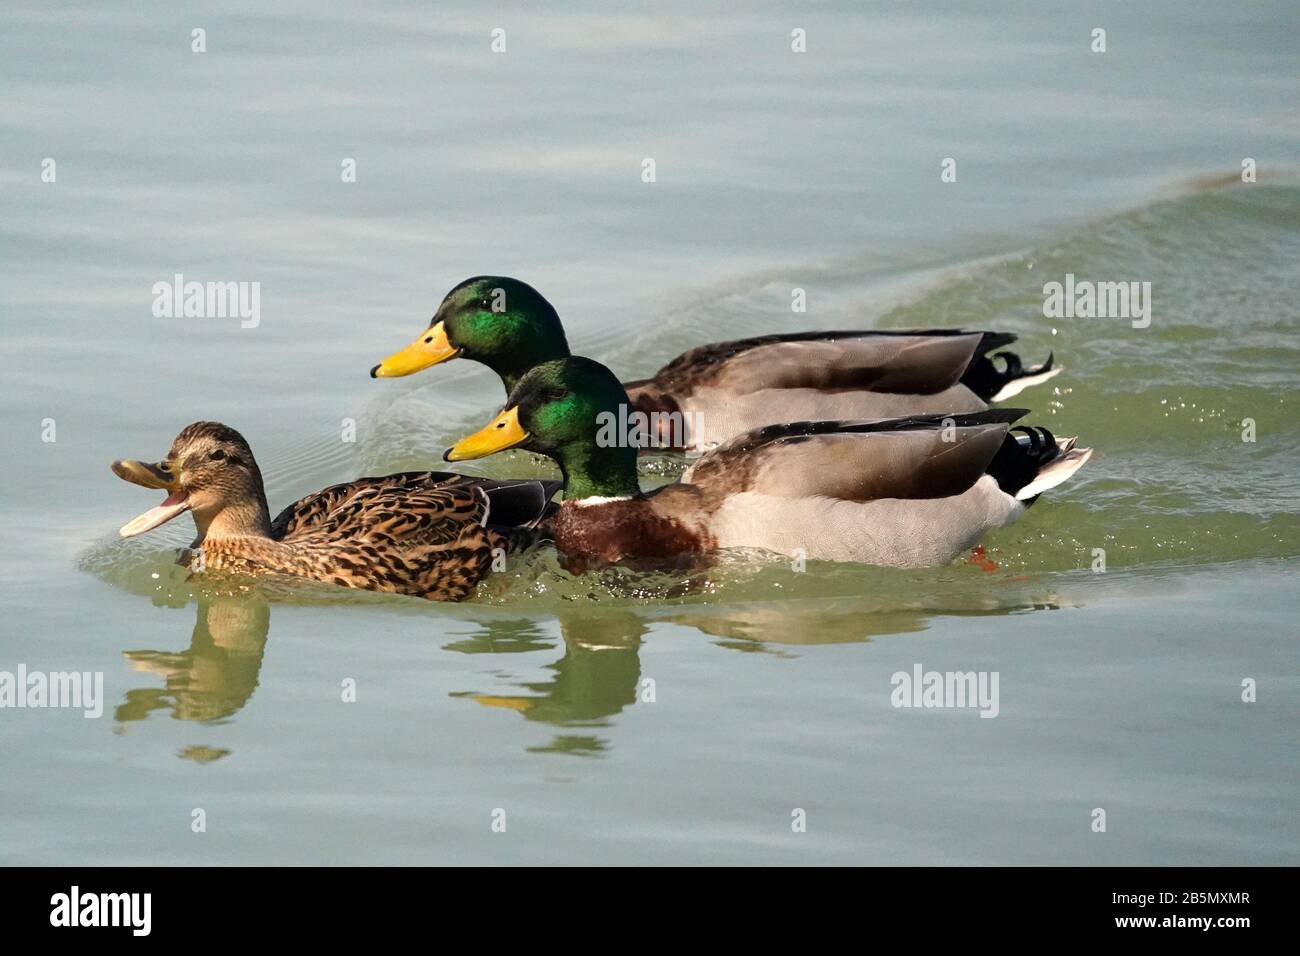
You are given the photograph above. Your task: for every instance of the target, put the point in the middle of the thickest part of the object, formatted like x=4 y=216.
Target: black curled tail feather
x=1025 y=450
x=986 y=379
x=994 y=340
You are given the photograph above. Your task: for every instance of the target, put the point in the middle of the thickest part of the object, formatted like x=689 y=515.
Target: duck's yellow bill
x=429 y=349
x=501 y=433
x=162 y=475
x=520 y=704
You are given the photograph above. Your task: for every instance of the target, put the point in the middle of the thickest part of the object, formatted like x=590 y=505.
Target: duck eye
x=485 y=303
x=217 y=455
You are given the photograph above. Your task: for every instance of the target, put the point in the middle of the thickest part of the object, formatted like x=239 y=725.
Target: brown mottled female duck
x=429 y=534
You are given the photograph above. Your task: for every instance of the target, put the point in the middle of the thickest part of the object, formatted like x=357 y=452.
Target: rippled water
x=1119 y=690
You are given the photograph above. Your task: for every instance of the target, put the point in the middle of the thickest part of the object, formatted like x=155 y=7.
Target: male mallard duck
x=907 y=492
x=715 y=392
x=421 y=533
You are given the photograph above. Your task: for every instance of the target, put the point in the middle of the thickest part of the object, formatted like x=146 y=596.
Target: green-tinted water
x=1119 y=690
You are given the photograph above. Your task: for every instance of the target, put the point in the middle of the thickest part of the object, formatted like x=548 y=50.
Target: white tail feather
x=1055 y=472
x=1018 y=385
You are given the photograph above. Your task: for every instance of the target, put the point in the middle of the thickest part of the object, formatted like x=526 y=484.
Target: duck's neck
x=510 y=373
x=244 y=519
x=591 y=471
x=516 y=364
x=531 y=343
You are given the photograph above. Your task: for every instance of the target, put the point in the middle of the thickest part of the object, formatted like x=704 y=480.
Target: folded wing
x=932 y=456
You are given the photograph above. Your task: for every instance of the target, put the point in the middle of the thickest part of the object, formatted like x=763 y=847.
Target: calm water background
x=1118 y=690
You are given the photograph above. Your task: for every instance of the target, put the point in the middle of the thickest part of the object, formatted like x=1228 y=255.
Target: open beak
x=501 y=433
x=429 y=349
x=162 y=475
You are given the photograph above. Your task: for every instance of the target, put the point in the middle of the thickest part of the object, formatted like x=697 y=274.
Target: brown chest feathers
x=630 y=531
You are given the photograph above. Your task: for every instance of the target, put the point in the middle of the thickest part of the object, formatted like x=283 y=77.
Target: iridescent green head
x=501 y=322
x=563 y=409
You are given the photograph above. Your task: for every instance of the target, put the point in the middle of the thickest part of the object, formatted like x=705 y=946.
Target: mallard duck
x=715 y=392
x=906 y=492
x=430 y=534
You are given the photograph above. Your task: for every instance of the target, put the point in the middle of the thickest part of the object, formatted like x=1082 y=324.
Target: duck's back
x=725 y=389
x=908 y=493
x=421 y=533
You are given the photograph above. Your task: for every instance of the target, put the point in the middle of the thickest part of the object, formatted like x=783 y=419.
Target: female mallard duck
x=715 y=392
x=421 y=533
x=906 y=492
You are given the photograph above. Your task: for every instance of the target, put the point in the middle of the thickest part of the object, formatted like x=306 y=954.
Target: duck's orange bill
x=429 y=349
x=501 y=433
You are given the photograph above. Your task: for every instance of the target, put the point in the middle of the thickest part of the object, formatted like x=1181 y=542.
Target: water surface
x=1119 y=690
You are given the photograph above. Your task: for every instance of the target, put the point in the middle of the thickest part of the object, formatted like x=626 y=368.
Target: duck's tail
x=992 y=383
x=1032 y=460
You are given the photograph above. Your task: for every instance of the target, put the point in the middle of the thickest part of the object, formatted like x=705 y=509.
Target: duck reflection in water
x=596 y=678
x=215 y=677
x=598 y=675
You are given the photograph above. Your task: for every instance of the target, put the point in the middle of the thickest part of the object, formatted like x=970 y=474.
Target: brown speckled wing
x=309 y=511
x=522 y=502
x=426 y=540
x=417 y=533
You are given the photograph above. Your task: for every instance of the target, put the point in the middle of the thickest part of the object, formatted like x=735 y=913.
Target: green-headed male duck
x=715 y=392
x=906 y=492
